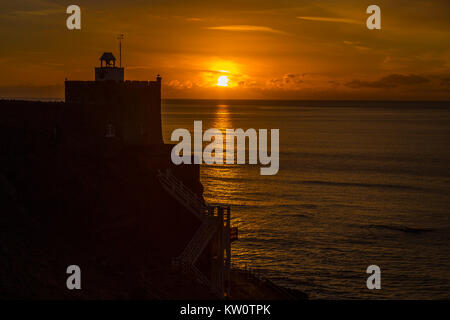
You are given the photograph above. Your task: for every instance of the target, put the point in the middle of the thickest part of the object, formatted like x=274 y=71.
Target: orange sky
x=268 y=49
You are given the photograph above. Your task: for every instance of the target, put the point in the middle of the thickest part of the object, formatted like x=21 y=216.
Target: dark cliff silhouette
x=64 y=204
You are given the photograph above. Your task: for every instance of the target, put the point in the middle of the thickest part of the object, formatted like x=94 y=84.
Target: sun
x=222 y=81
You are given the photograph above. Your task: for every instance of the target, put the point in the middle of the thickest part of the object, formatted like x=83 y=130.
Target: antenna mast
x=120 y=38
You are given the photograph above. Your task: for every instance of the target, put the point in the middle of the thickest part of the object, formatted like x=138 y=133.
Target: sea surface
x=360 y=183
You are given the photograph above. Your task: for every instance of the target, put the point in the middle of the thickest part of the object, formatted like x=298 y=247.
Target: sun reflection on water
x=222 y=120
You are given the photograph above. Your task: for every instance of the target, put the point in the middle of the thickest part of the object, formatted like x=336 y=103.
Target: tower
x=110 y=108
x=108 y=69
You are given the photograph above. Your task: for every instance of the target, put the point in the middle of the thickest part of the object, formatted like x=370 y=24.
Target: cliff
x=62 y=204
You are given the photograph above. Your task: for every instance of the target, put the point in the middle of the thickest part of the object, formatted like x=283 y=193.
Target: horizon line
x=54 y=99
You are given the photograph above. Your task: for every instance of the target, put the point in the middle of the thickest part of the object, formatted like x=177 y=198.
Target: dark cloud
x=390 y=81
x=287 y=81
x=334 y=83
x=292 y=78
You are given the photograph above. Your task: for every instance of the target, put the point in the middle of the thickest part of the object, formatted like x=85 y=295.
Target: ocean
x=359 y=184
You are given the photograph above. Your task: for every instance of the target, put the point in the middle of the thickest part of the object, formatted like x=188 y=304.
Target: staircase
x=183 y=194
x=208 y=227
x=198 y=243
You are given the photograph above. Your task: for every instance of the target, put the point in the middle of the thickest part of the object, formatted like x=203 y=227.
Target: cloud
x=390 y=81
x=42 y=12
x=247 y=28
x=181 y=85
x=356 y=45
x=194 y=19
x=288 y=81
x=330 y=19
x=334 y=83
x=213 y=71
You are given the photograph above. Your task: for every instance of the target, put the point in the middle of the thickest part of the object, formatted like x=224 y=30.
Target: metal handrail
x=196 y=205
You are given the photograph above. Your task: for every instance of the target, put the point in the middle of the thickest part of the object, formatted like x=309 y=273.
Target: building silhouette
x=99 y=169
x=109 y=71
x=126 y=111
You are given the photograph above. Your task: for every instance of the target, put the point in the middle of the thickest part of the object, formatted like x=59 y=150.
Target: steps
x=183 y=194
x=204 y=233
x=198 y=243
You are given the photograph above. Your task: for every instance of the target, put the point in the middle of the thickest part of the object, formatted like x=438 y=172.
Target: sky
x=283 y=49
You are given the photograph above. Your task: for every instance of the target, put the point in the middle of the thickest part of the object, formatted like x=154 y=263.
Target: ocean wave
x=360 y=184
x=400 y=228
x=294 y=215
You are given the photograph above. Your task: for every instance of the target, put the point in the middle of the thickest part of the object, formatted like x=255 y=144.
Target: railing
x=204 y=280
x=183 y=194
x=199 y=241
x=205 y=232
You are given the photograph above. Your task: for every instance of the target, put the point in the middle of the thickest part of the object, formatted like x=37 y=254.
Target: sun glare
x=222 y=81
